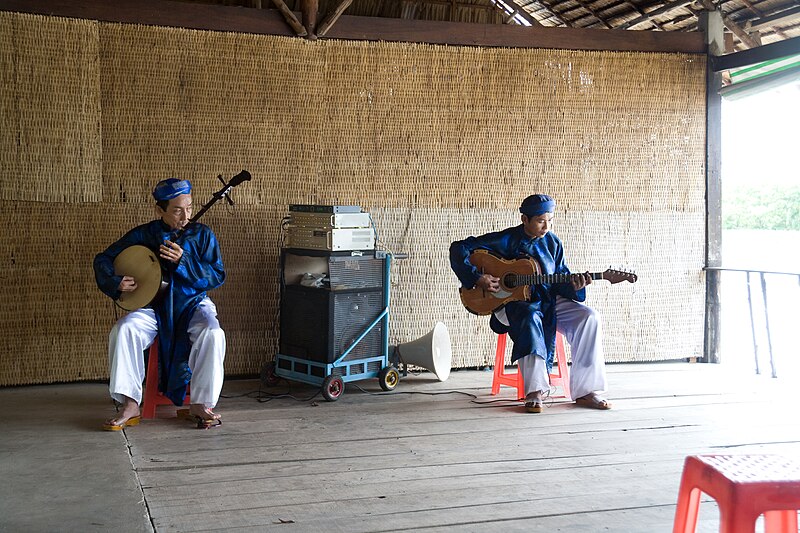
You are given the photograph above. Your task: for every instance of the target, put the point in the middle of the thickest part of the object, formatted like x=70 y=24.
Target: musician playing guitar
x=532 y=324
x=191 y=342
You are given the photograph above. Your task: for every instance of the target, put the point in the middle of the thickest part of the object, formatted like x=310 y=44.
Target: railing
x=761 y=275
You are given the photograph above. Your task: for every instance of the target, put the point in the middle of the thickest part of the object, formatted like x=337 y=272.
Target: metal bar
x=360 y=337
x=766 y=322
x=752 y=322
x=387 y=267
x=751 y=270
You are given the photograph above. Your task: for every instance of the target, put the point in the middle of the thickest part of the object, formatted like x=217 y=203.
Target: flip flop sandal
x=132 y=421
x=594 y=403
x=202 y=423
x=534 y=406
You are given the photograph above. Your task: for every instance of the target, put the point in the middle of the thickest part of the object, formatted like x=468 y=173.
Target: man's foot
x=533 y=402
x=201 y=411
x=205 y=417
x=129 y=416
x=593 y=401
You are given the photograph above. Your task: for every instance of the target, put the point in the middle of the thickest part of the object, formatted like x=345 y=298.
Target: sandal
x=132 y=421
x=202 y=423
x=533 y=406
x=593 y=401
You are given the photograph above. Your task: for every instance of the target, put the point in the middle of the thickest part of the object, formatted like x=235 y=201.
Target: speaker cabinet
x=319 y=324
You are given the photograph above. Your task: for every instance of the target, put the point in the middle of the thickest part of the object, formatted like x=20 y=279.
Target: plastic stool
x=152 y=397
x=514 y=379
x=744 y=486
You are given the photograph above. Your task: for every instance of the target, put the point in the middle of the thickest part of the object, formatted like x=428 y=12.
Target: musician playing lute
x=552 y=307
x=191 y=342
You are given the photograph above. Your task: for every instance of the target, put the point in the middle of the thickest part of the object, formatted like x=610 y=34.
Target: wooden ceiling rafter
x=331 y=18
x=636 y=8
x=516 y=9
x=291 y=20
x=555 y=14
x=666 y=8
x=746 y=39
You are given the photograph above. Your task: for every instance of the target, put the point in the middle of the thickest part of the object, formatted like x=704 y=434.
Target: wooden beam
x=743 y=36
x=767 y=52
x=517 y=9
x=332 y=17
x=159 y=13
x=457 y=33
x=642 y=13
x=269 y=21
x=772 y=20
x=550 y=9
x=588 y=8
x=666 y=8
x=290 y=19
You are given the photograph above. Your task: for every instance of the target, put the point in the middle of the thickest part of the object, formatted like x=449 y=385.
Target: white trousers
x=583 y=330
x=136 y=331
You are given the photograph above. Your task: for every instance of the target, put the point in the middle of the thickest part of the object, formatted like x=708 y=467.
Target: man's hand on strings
x=128 y=284
x=488 y=282
x=170 y=252
x=579 y=281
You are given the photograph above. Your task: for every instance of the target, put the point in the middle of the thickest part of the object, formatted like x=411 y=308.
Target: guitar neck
x=541 y=279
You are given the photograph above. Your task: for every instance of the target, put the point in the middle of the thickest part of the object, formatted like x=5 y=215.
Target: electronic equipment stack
x=334 y=301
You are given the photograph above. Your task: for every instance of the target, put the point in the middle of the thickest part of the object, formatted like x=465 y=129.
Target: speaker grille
x=353 y=312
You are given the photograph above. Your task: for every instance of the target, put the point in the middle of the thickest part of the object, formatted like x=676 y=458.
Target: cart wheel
x=388 y=378
x=268 y=376
x=332 y=388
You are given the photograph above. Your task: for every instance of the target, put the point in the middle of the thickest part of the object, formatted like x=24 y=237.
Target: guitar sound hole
x=510 y=280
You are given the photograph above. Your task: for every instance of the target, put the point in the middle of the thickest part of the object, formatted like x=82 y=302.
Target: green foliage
x=771 y=207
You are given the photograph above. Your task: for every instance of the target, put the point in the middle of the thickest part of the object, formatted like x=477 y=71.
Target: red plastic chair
x=152 y=397
x=745 y=487
x=514 y=379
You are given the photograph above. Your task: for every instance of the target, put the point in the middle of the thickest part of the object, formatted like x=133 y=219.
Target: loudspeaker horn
x=431 y=352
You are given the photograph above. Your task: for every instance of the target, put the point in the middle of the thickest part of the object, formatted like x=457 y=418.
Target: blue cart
x=331 y=336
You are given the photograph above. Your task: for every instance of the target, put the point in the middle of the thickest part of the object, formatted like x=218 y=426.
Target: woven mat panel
x=55 y=322
x=247 y=303
x=436 y=142
x=657 y=318
x=50 y=149
x=196 y=104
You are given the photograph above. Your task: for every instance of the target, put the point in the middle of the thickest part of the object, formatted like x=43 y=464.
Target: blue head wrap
x=171 y=188
x=537 y=204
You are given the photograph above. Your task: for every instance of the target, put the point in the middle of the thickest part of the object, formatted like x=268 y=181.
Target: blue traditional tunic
x=199 y=270
x=532 y=325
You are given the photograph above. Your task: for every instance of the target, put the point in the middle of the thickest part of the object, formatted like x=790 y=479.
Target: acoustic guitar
x=516 y=277
x=143 y=265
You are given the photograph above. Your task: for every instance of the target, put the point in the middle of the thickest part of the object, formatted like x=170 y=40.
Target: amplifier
x=305 y=208
x=330 y=221
x=330 y=239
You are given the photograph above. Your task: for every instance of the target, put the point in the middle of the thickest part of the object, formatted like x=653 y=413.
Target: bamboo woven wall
x=436 y=142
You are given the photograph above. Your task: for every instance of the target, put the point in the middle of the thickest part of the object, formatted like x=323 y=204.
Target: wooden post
x=713 y=29
x=310 y=8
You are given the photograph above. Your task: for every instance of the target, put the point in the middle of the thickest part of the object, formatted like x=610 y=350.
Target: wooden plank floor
x=416 y=461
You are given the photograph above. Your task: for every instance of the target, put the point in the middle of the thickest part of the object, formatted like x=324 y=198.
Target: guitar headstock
x=616 y=276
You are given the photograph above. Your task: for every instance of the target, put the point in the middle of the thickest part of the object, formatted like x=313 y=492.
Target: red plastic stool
x=744 y=486
x=152 y=397
x=514 y=379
